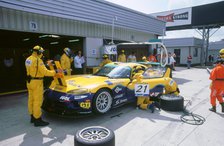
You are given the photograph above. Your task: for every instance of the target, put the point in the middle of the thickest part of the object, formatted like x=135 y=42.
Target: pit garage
x=16 y=46
x=54 y=25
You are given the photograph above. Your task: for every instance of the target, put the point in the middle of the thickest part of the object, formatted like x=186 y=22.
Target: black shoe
x=222 y=104
x=151 y=107
x=40 y=122
x=213 y=109
x=157 y=105
x=32 y=119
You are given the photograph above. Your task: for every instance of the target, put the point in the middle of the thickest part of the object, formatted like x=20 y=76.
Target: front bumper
x=66 y=104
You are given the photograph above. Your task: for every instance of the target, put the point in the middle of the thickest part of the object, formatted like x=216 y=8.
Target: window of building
x=195 y=52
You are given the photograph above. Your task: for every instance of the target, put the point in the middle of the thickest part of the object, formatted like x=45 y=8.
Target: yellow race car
x=112 y=86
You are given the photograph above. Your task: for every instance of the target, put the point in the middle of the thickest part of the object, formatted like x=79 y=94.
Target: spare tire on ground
x=171 y=102
x=95 y=136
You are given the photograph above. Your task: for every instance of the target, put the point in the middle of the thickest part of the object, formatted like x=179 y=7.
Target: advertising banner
x=176 y=17
x=110 y=49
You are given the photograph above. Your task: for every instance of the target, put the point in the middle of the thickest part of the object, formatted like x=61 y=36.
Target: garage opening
x=16 y=46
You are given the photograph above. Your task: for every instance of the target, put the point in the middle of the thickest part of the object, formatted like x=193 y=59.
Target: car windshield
x=104 y=71
x=154 y=72
x=120 y=72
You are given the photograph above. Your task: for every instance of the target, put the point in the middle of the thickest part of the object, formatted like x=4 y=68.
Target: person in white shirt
x=170 y=63
x=131 y=57
x=78 y=62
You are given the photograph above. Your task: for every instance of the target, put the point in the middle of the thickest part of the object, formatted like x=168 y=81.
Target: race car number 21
x=141 y=89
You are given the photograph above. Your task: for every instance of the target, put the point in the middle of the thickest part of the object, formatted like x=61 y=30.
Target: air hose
x=190 y=118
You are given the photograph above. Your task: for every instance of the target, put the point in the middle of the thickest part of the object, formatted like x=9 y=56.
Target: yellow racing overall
x=36 y=70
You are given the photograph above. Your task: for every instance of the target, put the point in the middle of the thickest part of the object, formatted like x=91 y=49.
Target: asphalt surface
x=132 y=127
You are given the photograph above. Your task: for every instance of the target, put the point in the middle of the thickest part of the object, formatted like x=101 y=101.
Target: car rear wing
x=59 y=81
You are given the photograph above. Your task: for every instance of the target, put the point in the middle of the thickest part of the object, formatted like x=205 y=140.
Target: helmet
x=67 y=51
x=143 y=58
x=38 y=49
x=122 y=51
x=221 y=53
x=105 y=56
x=138 y=69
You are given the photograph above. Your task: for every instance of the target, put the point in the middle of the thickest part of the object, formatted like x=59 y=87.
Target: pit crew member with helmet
x=36 y=70
x=66 y=61
x=143 y=102
x=122 y=57
x=217 y=85
x=105 y=61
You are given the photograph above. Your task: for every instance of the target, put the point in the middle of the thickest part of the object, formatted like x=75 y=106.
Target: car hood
x=80 y=82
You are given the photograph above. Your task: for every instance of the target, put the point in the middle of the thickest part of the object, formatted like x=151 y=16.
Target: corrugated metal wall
x=78 y=18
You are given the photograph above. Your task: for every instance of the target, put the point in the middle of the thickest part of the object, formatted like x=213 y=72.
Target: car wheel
x=171 y=102
x=102 y=101
x=95 y=136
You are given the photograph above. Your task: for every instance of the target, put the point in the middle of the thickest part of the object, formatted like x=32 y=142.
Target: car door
x=152 y=83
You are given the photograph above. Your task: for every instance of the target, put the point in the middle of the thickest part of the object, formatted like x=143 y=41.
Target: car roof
x=130 y=64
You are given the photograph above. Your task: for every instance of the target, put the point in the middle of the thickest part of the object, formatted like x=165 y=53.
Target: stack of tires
x=171 y=102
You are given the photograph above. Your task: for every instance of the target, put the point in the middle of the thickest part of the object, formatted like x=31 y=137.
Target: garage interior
x=16 y=46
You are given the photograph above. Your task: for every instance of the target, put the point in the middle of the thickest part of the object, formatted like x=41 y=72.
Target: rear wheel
x=102 y=101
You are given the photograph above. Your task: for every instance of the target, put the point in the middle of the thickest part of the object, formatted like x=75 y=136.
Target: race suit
x=122 y=58
x=36 y=70
x=66 y=63
x=217 y=86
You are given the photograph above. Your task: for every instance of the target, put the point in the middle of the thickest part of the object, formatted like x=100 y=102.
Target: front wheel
x=102 y=101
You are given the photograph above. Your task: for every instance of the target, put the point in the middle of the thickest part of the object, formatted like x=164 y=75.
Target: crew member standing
x=36 y=70
x=217 y=85
x=132 y=57
x=66 y=61
x=122 y=57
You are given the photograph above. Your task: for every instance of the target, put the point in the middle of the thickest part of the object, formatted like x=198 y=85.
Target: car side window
x=154 y=72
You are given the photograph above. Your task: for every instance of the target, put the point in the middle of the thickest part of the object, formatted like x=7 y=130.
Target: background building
x=80 y=25
x=182 y=47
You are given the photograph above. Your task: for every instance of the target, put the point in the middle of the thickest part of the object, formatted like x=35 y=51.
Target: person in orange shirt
x=152 y=57
x=217 y=85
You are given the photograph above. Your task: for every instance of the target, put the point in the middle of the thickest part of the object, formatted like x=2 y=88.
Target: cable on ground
x=190 y=118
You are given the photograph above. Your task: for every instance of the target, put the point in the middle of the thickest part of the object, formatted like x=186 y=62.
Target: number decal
x=142 y=90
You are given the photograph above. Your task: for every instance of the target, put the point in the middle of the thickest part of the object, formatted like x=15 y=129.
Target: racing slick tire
x=171 y=102
x=94 y=136
x=102 y=101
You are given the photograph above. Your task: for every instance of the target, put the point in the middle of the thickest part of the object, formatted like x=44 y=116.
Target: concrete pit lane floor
x=132 y=127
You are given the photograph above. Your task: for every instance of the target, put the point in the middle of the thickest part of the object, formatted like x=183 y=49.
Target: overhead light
x=43 y=36
x=51 y=36
x=54 y=36
x=54 y=43
x=76 y=40
x=26 y=39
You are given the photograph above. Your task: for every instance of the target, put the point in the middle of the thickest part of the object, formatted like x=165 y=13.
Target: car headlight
x=79 y=91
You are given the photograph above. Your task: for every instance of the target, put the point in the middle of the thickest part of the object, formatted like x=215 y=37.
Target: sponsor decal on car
x=71 y=82
x=171 y=82
x=119 y=101
x=118 y=96
x=86 y=104
x=65 y=98
x=117 y=89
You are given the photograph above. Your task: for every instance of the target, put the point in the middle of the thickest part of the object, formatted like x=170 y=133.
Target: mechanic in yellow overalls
x=122 y=57
x=105 y=61
x=143 y=102
x=36 y=70
x=66 y=61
